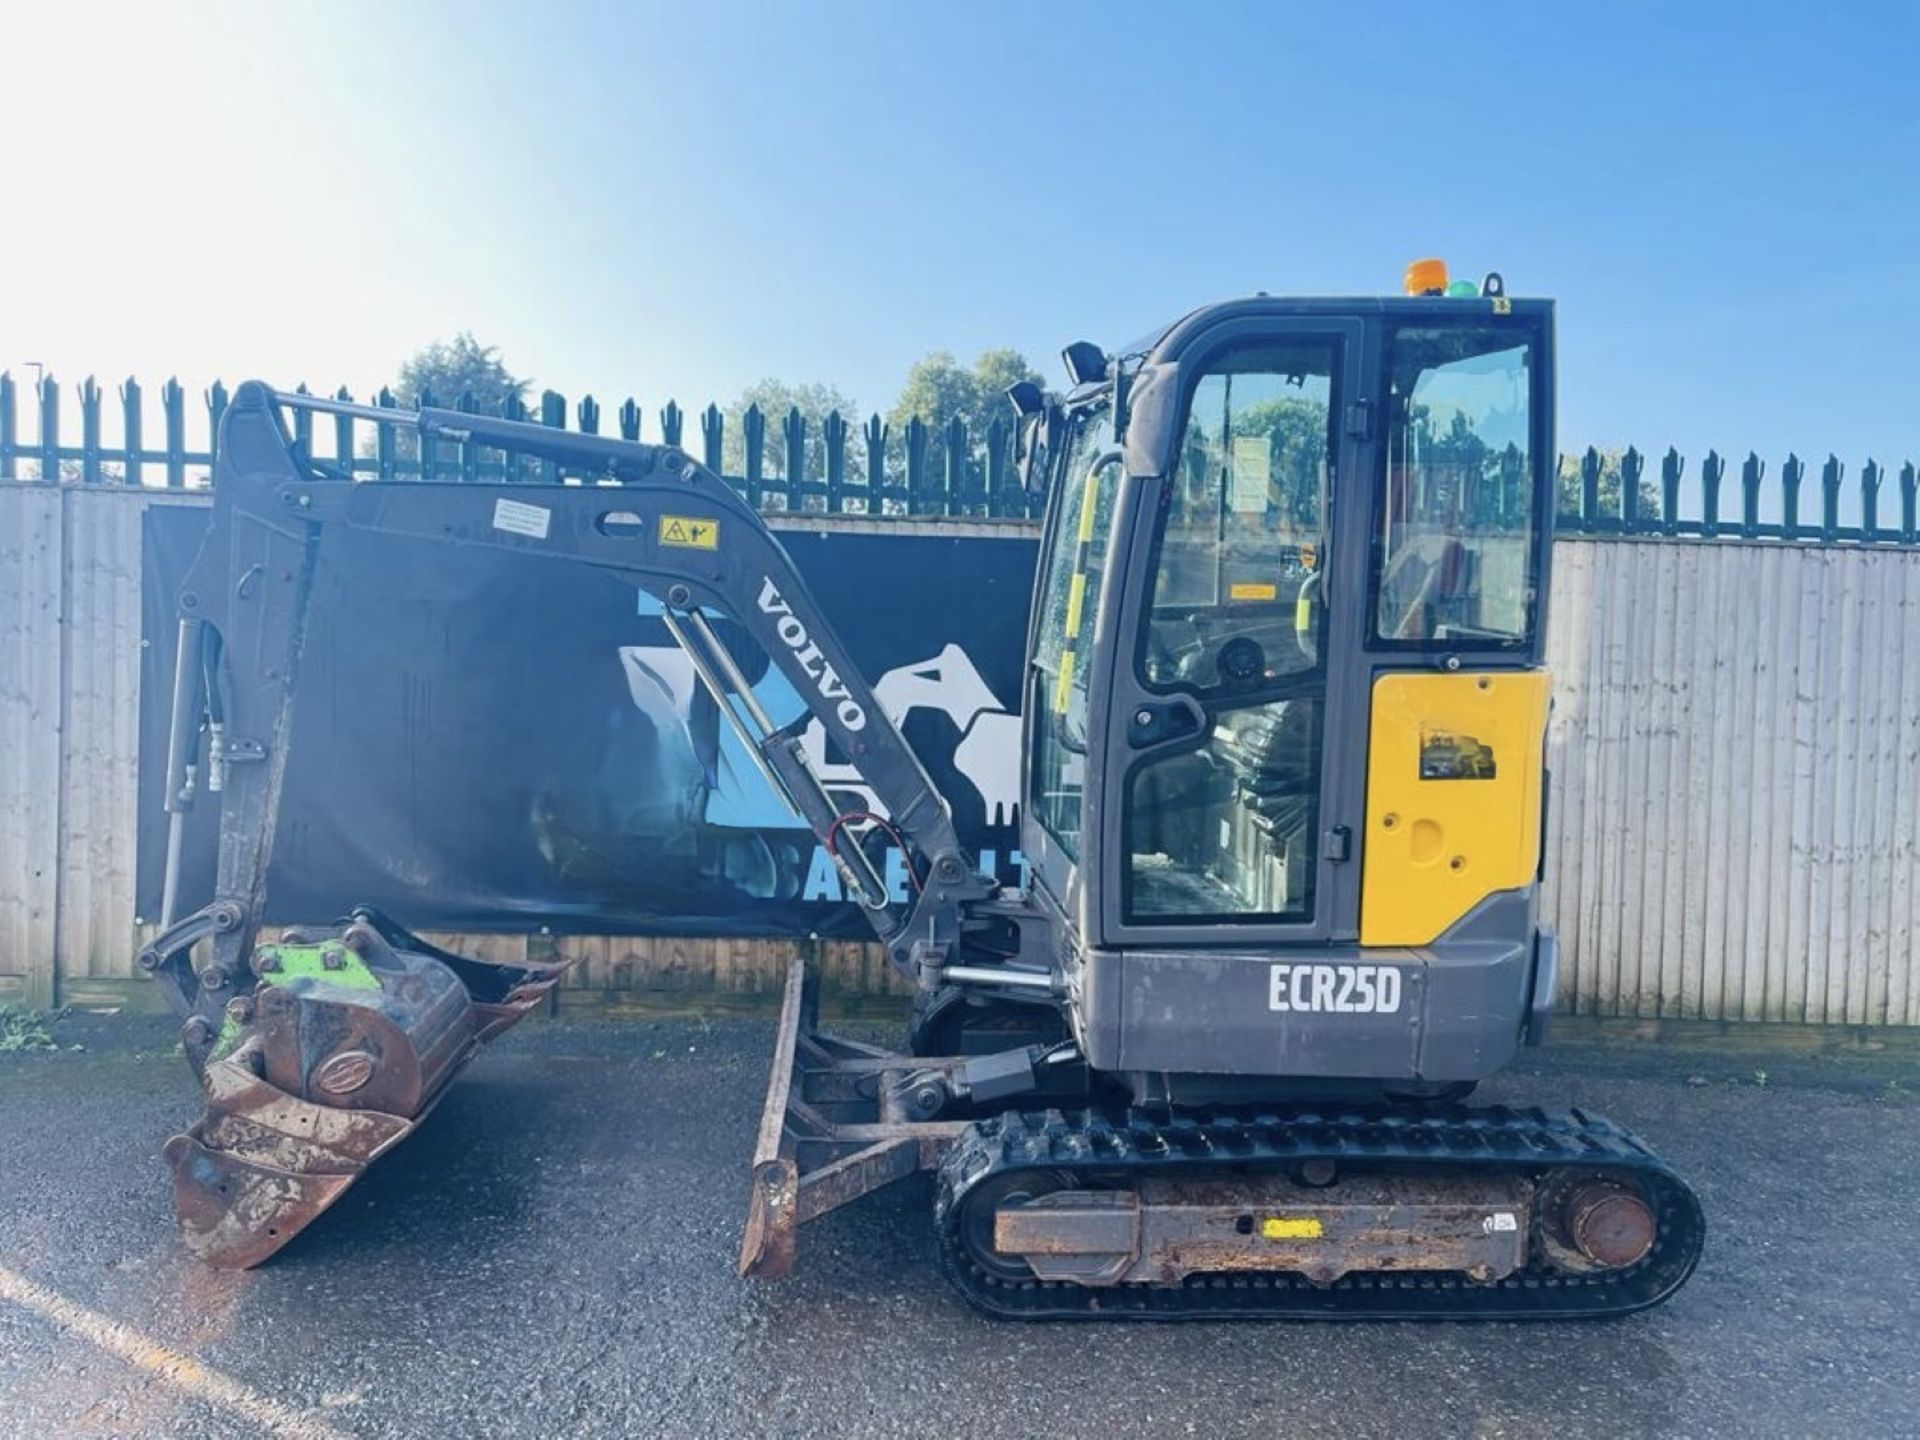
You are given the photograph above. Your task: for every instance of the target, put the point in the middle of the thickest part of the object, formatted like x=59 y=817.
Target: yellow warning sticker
x=1279 y=1227
x=689 y=533
x=1248 y=590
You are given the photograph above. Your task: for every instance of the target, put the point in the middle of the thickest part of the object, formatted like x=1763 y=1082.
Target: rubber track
x=1495 y=1139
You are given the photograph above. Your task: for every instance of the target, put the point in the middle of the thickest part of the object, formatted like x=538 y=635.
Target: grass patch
x=23 y=1030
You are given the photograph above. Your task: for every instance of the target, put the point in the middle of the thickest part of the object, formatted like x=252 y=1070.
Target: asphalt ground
x=553 y=1254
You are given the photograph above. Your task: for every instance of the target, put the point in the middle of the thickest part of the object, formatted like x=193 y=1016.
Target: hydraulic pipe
x=183 y=731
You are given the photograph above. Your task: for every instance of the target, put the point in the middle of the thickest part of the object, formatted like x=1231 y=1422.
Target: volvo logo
x=826 y=680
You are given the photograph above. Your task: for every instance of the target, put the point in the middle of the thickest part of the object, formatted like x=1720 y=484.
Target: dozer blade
x=350 y=1037
x=837 y=1124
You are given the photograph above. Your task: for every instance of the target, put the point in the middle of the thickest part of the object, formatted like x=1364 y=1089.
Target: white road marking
x=182 y=1372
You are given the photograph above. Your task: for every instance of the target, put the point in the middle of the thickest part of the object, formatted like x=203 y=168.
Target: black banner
x=483 y=741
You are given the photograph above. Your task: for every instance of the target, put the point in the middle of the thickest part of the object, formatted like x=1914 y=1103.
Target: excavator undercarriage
x=1284 y=776
x=1120 y=1211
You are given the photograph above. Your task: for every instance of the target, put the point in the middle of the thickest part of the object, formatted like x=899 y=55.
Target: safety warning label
x=689 y=533
x=517 y=518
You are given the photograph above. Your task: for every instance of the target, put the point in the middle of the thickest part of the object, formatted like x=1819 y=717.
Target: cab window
x=1081 y=521
x=1244 y=535
x=1454 y=556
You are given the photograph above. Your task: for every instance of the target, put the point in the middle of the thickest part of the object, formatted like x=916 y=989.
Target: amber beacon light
x=1426 y=277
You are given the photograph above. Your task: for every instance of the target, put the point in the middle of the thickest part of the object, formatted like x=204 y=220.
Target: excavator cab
x=1296 y=550
x=1284 y=716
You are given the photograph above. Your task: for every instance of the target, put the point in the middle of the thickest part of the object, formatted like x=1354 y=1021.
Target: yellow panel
x=1437 y=846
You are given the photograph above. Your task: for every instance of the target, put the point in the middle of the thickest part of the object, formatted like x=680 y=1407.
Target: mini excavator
x=1284 y=783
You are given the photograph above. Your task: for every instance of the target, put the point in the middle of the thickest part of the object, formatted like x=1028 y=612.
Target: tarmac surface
x=553 y=1254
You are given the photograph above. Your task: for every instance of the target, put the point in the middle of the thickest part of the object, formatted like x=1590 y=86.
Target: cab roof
x=1166 y=342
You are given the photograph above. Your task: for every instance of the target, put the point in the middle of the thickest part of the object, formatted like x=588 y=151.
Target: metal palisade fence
x=863 y=470
x=1610 y=496
x=923 y=470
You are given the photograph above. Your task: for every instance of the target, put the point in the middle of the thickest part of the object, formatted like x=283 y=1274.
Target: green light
x=1462 y=290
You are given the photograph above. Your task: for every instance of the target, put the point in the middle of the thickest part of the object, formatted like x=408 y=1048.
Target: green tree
x=776 y=398
x=938 y=388
x=450 y=368
x=446 y=370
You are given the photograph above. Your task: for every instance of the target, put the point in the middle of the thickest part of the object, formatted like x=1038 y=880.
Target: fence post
x=753 y=430
x=916 y=463
x=343 y=436
x=1909 y=503
x=1830 y=476
x=429 y=447
x=999 y=500
x=1791 y=474
x=49 y=429
x=1671 y=465
x=587 y=415
x=794 y=432
x=1752 y=471
x=553 y=413
x=712 y=437
x=958 y=454
x=130 y=431
x=216 y=399
x=833 y=433
x=876 y=429
x=466 y=404
x=1590 y=489
x=302 y=436
x=383 y=433
x=173 y=414
x=1631 y=465
x=9 y=427
x=89 y=432
x=1870 y=501
x=1711 y=472
x=630 y=420
x=672 y=423
x=512 y=466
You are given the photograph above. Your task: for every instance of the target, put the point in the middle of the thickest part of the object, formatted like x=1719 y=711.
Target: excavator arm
x=649 y=512
x=319 y=1050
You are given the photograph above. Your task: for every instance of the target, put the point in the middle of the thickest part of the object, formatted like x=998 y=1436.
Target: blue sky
x=678 y=200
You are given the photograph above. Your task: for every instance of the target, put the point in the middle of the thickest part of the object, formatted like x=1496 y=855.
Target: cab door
x=1228 y=772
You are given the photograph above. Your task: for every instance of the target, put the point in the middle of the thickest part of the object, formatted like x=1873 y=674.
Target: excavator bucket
x=350 y=1037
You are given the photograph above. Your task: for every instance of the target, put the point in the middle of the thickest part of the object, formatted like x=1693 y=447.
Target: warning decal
x=517 y=518
x=689 y=533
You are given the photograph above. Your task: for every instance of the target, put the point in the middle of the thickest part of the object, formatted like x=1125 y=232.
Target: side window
x=1082 y=521
x=1244 y=539
x=1454 y=556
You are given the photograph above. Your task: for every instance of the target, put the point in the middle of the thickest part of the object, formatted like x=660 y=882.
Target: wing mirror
x=1036 y=434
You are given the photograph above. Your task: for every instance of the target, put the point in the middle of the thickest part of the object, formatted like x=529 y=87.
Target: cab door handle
x=1157 y=721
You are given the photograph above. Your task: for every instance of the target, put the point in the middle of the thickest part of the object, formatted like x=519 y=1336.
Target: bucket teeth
x=324 y=1078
